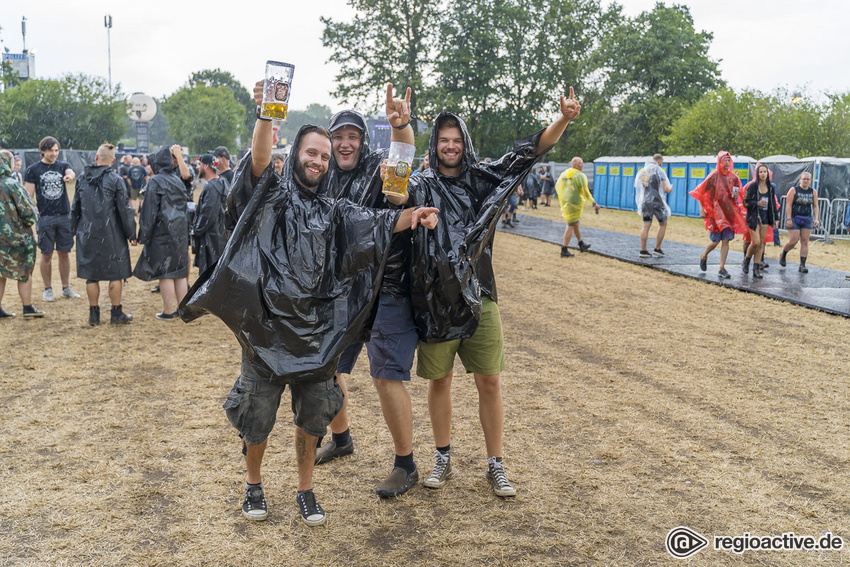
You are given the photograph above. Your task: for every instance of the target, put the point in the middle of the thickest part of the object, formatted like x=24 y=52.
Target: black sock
x=445 y=450
x=405 y=462
x=342 y=439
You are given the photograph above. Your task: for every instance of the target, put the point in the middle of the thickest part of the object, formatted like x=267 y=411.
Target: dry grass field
x=635 y=402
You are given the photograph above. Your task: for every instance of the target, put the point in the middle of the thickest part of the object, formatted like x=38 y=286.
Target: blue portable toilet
x=677 y=173
x=600 y=183
x=629 y=166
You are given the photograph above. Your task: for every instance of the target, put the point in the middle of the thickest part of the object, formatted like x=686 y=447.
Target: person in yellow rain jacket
x=573 y=195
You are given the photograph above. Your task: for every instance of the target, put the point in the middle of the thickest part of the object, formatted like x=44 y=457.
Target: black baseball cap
x=207 y=159
x=347 y=118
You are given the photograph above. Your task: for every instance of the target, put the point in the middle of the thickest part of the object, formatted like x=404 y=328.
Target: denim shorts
x=349 y=358
x=482 y=353
x=725 y=234
x=252 y=405
x=54 y=232
x=394 y=338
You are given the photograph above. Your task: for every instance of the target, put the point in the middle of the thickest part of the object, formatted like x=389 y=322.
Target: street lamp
x=107 y=23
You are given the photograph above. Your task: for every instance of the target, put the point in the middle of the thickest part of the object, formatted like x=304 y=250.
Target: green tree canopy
x=318 y=114
x=78 y=110
x=203 y=117
x=757 y=124
x=225 y=79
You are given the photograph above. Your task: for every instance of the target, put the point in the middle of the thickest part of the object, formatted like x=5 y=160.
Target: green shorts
x=482 y=353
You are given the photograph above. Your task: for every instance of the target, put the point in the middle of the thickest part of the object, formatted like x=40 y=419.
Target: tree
x=315 y=114
x=79 y=110
x=651 y=69
x=203 y=117
x=757 y=124
x=387 y=42
x=219 y=78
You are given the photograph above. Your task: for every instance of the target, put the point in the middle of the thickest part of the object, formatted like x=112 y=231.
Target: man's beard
x=303 y=177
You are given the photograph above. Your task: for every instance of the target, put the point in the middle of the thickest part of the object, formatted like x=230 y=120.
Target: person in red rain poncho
x=717 y=196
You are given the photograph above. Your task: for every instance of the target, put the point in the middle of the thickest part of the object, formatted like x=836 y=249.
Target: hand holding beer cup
x=276 y=88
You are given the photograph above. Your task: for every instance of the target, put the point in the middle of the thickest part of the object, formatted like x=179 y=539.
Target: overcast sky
x=156 y=45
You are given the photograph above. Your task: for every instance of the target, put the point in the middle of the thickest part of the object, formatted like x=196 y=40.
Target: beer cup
x=398 y=162
x=276 y=90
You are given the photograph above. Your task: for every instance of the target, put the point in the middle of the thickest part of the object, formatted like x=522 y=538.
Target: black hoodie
x=163 y=224
x=452 y=265
x=103 y=222
x=298 y=276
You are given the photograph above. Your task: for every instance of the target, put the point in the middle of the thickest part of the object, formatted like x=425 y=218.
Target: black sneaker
x=254 y=508
x=329 y=451
x=94 y=315
x=658 y=252
x=166 y=316
x=442 y=470
x=565 y=252
x=311 y=512
x=155 y=289
x=4 y=313
x=30 y=311
x=498 y=479
x=782 y=258
x=703 y=264
x=399 y=482
x=645 y=254
x=723 y=274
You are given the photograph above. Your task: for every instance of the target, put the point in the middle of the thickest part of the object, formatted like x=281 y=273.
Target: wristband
x=402 y=127
x=260 y=116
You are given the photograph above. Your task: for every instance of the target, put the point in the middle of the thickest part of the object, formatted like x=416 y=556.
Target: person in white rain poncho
x=651 y=187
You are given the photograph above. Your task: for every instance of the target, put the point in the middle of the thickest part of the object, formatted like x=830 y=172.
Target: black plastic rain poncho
x=362 y=186
x=103 y=222
x=531 y=186
x=452 y=265
x=163 y=225
x=209 y=233
x=298 y=276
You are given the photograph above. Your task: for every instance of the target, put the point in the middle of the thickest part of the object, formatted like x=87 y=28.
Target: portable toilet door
x=615 y=183
x=697 y=172
x=627 y=186
x=677 y=199
x=600 y=184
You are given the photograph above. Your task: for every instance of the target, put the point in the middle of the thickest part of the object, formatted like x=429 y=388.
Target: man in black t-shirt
x=223 y=162
x=47 y=182
x=124 y=169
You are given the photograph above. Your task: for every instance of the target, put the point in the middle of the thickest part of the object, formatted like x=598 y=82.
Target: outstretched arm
x=570 y=108
x=261 y=143
x=412 y=216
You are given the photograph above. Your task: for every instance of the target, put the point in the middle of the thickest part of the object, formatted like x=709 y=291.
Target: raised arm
x=570 y=108
x=261 y=143
x=398 y=115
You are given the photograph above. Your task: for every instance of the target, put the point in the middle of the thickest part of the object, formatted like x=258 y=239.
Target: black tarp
x=102 y=222
x=298 y=276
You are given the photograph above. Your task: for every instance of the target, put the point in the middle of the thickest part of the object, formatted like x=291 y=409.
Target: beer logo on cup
x=401 y=169
x=281 y=92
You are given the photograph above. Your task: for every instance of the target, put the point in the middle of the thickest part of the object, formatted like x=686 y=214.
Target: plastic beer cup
x=276 y=89
x=398 y=162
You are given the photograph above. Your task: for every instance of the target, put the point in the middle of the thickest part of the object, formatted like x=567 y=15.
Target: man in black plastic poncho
x=208 y=232
x=452 y=280
x=103 y=223
x=296 y=284
x=355 y=175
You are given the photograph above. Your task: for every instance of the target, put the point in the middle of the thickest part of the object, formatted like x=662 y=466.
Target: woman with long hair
x=801 y=216
x=758 y=198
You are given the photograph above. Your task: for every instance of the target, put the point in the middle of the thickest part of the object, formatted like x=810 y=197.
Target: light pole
x=107 y=23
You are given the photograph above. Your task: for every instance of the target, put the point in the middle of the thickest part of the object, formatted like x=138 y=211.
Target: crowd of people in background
x=158 y=188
